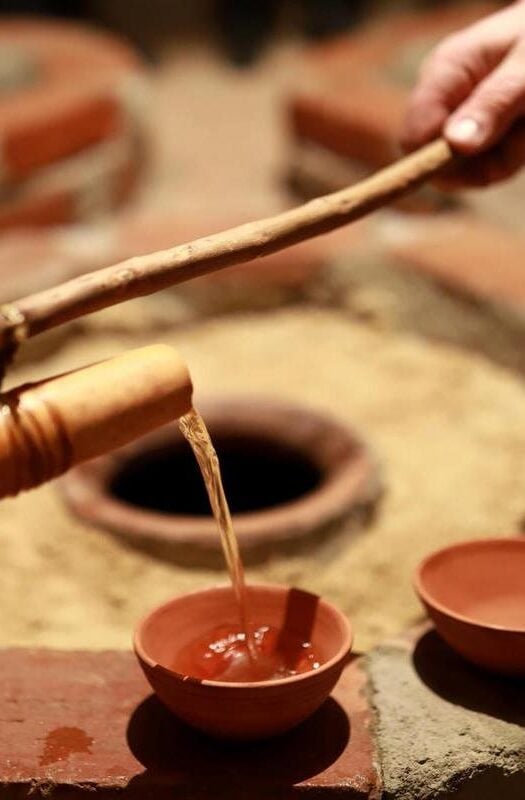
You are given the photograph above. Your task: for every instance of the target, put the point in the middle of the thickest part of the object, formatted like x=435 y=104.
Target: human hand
x=471 y=89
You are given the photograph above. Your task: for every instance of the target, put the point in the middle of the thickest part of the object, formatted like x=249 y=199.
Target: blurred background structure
x=128 y=127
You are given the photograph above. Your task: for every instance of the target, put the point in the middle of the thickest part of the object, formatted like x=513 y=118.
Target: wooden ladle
x=143 y=275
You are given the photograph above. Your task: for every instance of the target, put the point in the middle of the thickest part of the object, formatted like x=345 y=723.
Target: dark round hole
x=258 y=474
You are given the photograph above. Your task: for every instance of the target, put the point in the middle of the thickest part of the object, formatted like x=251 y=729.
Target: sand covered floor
x=447 y=422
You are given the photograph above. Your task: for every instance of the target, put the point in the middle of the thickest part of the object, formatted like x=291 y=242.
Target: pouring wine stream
x=250 y=654
x=196 y=434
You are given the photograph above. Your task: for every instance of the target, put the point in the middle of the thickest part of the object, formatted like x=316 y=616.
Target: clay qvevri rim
x=243 y=710
x=510 y=543
x=348 y=479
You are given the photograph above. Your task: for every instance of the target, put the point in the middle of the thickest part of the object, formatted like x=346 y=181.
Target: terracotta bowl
x=243 y=710
x=475 y=594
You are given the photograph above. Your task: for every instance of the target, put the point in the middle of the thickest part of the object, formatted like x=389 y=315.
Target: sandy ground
x=447 y=422
x=435 y=383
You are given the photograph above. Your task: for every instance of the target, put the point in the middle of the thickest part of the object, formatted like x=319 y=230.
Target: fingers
x=432 y=100
x=497 y=164
x=491 y=108
x=447 y=78
x=472 y=90
x=453 y=72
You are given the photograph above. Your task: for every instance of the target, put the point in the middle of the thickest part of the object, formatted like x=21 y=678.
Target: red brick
x=375 y=46
x=73 y=102
x=355 y=105
x=372 y=50
x=466 y=254
x=55 y=196
x=61 y=130
x=75 y=722
x=54 y=209
x=354 y=120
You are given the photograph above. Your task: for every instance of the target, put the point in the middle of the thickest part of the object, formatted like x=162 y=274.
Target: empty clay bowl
x=475 y=594
x=243 y=710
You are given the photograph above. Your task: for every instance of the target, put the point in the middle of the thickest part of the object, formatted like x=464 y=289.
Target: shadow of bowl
x=173 y=753
x=461 y=683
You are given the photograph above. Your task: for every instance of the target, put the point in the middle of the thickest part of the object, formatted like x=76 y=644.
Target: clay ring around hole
x=289 y=474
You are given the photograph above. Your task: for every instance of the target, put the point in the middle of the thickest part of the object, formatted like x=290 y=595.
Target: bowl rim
x=342 y=653
x=428 y=599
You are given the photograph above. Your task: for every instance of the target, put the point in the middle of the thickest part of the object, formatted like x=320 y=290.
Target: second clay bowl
x=243 y=710
x=475 y=594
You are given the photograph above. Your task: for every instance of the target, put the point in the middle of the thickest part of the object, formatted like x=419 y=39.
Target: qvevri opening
x=258 y=473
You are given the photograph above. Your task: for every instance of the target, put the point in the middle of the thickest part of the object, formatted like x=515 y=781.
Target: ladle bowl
x=475 y=594
x=243 y=710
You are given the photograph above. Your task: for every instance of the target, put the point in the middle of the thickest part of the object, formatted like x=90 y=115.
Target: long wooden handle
x=146 y=274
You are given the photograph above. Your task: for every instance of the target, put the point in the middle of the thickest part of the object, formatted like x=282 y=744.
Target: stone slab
x=77 y=723
x=444 y=728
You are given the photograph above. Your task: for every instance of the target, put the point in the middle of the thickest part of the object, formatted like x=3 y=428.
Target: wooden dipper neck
x=47 y=427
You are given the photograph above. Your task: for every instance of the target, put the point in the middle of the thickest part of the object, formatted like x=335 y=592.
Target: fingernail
x=464 y=131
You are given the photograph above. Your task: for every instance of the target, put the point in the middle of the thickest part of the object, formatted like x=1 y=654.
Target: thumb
x=494 y=105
